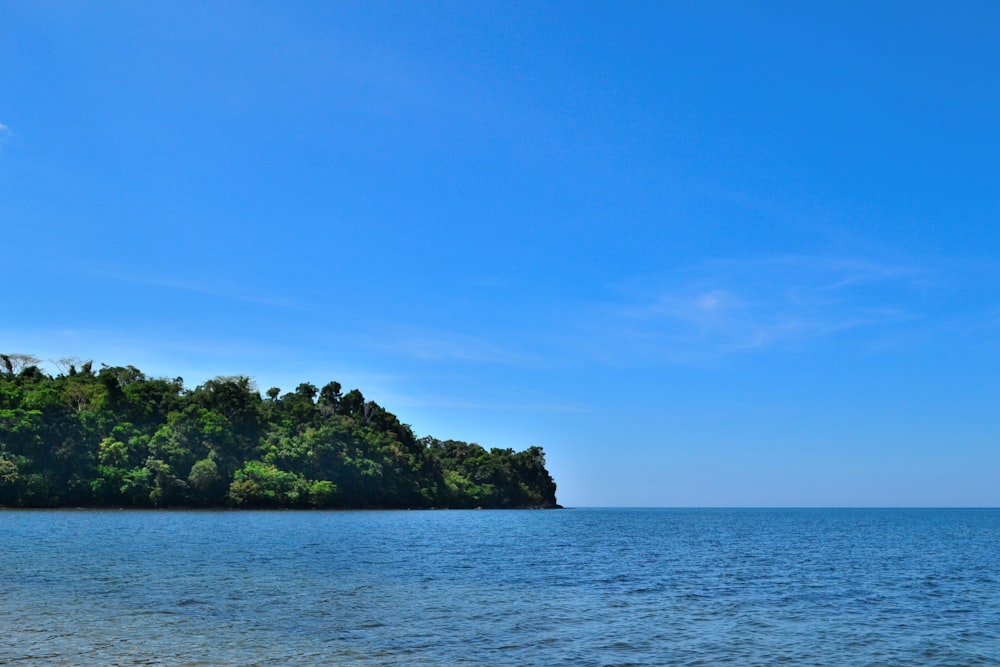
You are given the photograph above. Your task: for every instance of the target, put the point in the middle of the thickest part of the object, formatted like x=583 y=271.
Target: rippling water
x=573 y=587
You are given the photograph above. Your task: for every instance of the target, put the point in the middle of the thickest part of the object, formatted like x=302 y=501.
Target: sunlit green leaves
x=118 y=437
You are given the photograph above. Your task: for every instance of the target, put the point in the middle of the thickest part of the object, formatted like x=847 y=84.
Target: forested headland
x=113 y=437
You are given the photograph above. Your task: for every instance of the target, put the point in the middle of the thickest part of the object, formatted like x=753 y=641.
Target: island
x=114 y=437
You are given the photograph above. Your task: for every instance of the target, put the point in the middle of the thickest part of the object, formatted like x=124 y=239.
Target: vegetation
x=115 y=437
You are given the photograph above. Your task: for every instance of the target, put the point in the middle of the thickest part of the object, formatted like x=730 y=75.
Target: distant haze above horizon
x=704 y=254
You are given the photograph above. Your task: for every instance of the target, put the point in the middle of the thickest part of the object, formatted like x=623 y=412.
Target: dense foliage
x=115 y=437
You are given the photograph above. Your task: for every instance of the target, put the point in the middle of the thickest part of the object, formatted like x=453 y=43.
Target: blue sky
x=702 y=253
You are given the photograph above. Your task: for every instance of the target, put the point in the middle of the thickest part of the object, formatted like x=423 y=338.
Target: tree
x=205 y=482
x=307 y=391
x=14 y=364
x=9 y=477
x=167 y=488
x=119 y=437
x=258 y=484
x=352 y=403
x=329 y=397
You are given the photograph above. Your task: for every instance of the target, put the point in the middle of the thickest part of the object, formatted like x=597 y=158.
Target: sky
x=703 y=253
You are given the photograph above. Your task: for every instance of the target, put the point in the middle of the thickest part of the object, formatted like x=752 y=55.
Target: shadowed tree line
x=115 y=437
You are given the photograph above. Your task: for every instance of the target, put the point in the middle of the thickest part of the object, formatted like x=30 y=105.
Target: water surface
x=573 y=587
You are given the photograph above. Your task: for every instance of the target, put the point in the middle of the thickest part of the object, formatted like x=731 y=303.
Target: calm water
x=574 y=587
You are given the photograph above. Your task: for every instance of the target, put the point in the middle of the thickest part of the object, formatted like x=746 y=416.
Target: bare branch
x=15 y=363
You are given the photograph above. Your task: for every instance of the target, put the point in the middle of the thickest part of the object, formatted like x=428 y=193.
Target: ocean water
x=571 y=587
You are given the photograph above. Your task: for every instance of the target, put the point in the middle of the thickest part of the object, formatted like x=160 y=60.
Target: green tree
x=259 y=484
x=205 y=483
x=119 y=437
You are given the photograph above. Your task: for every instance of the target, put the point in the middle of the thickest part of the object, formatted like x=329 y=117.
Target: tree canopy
x=115 y=437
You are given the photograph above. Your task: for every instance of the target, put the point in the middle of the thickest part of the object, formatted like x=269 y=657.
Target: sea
x=837 y=587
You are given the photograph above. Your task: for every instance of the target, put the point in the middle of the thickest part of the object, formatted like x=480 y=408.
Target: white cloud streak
x=428 y=345
x=225 y=291
x=727 y=306
x=443 y=402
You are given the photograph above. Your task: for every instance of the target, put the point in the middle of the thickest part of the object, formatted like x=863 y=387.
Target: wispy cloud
x=429 y=345
x=154 y=352
x=444 y=402
x=233 y=291
x=725 y=306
